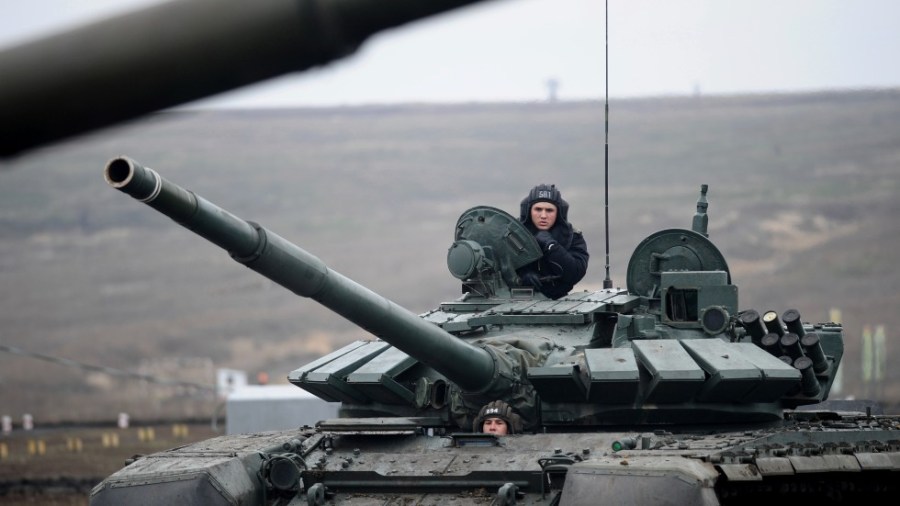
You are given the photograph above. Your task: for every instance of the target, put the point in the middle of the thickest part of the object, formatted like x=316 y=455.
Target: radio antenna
x=607 y=283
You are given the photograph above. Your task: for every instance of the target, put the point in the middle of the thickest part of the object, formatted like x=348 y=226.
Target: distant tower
x=552 y=86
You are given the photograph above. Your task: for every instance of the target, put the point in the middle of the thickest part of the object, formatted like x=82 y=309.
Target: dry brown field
x=60 y=466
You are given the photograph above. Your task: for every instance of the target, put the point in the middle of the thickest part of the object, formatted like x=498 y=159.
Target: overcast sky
x=507 y=50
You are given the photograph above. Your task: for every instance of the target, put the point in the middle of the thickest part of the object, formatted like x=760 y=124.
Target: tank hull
x=825 y=455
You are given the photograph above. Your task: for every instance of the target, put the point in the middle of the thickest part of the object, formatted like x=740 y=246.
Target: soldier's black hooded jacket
x=565 y=259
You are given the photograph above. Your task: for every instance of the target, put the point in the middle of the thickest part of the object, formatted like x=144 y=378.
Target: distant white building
x=259 y=408
x=229 y=380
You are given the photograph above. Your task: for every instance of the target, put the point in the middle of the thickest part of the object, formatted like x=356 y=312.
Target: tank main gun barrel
x=470 y=367
x=176 y=52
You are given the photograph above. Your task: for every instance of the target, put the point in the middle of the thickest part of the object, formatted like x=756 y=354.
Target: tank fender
x=644 y=481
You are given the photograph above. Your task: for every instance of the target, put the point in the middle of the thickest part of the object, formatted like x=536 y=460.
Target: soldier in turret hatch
x=497 y=417
x=545 y=213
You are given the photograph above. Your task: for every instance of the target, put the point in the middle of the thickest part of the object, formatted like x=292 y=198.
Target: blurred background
x=526 y=50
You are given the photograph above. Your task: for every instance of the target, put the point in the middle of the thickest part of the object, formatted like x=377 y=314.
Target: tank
x=667 y=392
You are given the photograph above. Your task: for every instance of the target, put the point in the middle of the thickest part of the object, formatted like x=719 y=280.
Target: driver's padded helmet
x=543 y=193
x=501 y=410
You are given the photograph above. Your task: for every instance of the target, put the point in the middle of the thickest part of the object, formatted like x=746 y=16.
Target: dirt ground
x=60 y=466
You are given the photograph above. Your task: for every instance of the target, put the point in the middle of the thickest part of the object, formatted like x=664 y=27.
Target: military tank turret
x=662 y=393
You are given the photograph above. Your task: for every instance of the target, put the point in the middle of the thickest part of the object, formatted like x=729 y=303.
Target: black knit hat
x=501 y=410
x=543 y=193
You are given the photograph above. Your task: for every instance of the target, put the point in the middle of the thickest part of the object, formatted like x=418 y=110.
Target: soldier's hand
x=532 y=278
x=546 y=241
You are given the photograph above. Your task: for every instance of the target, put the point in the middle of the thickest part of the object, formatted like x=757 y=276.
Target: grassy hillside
x=802 y=203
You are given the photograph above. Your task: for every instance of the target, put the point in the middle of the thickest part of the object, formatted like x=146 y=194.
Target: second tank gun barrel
x=175 y=52
x=287 y=264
